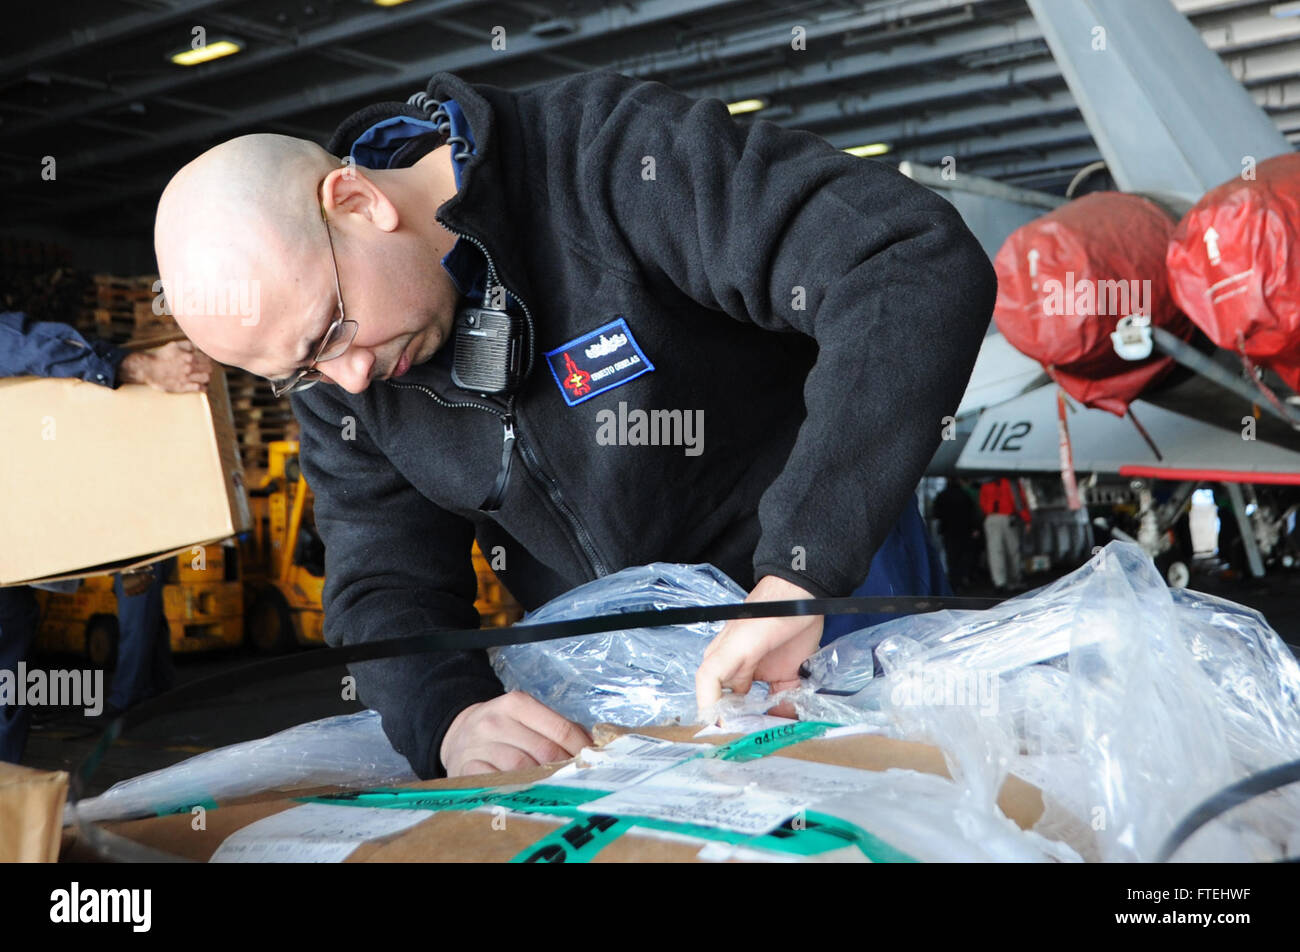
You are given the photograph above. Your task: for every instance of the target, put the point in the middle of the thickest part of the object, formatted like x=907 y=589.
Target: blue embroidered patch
x=601 y=360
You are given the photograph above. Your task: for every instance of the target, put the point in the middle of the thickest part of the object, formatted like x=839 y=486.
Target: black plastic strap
x=1238 y=793
x=462 y=639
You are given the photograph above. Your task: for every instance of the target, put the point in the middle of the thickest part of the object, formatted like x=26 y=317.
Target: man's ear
x=349 y=191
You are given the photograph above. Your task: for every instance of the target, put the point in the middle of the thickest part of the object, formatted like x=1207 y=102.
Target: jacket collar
x=481 y=208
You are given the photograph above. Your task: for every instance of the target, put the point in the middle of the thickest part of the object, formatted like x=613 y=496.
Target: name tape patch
x=597 y=361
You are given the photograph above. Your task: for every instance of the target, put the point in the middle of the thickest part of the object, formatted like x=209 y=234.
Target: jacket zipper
x=510 y=437
x=494 y=499
x=532 y=465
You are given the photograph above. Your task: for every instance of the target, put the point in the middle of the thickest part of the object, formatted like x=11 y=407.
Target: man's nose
x=351 y=370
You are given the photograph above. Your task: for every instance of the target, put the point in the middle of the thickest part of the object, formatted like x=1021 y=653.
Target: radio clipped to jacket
x=490 y=350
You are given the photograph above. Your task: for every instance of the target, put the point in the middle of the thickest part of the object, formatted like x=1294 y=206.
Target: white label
x=745 y=724
x=752 y=812
x=631 y=759
x=314 y=833
x=752 y=797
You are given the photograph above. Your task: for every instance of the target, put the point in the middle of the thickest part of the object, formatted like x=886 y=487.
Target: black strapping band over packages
x=464 y=639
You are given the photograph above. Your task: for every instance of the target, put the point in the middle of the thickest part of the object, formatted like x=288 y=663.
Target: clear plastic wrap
x=1126 y=703
x=935 y=820
x=633 y=677
x=350 y=750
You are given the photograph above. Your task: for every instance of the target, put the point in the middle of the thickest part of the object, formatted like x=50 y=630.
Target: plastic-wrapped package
x=1127 y=704
x=634 y=677
x=935 y=820
x=1256 y=676
x=350 y=750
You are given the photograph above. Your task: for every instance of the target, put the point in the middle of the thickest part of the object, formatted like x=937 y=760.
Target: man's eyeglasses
x=336 y=340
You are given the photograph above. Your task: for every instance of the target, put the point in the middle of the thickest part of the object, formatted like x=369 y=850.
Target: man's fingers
x=721 y=671
x=509 y=727
x=539 y=748
x=740 y=683
x=718 y=640
x=552 y=725
x=495 y=757
x=765 y=649
x=708 y=686
x=509 y=732
x=778 y=686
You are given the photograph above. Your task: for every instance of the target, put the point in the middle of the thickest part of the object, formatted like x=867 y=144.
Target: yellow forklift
x=203 y=601
x=284 y=563
x=284 y=559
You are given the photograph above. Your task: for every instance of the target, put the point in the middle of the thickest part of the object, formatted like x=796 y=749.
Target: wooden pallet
x=261 y=418
x=120 y=309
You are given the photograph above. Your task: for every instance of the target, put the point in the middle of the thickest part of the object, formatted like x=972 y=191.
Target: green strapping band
x=167 y=810
x=761 y=743
x=809 y=835
x=589 y=833
x=578 y=842
x=539 y=798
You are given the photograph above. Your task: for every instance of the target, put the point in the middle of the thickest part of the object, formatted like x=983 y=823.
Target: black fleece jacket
x=823 y=311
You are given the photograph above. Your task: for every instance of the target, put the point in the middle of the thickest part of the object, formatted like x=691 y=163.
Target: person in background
x=959 y=525
x=52 y=349
x=1003 y=504
x=144 y=653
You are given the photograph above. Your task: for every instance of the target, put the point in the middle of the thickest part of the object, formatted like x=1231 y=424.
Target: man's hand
x=509 y=733
x=175 y=368
x=759 y=649
x=137 y=581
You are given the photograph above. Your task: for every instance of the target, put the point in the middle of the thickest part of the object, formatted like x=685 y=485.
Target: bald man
x=592 y=324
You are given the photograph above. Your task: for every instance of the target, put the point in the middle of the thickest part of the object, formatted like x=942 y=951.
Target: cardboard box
x=494 y=833
x=95 y=480
x=31 y=813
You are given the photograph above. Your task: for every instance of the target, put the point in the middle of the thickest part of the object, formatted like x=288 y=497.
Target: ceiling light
x=203 y=54
x=746 y=105
x=865 y=151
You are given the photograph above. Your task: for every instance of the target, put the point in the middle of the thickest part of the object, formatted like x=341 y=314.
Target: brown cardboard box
x=96 y=479
x=31 y=813
x=463 y=836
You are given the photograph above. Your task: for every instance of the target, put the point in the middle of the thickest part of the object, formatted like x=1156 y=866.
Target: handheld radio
x=490 y=350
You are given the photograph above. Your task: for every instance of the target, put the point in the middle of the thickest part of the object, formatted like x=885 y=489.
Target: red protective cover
x=1066 y=279
x=1234 y=265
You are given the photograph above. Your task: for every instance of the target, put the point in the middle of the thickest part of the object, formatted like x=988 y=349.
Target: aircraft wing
x=1021 y=435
